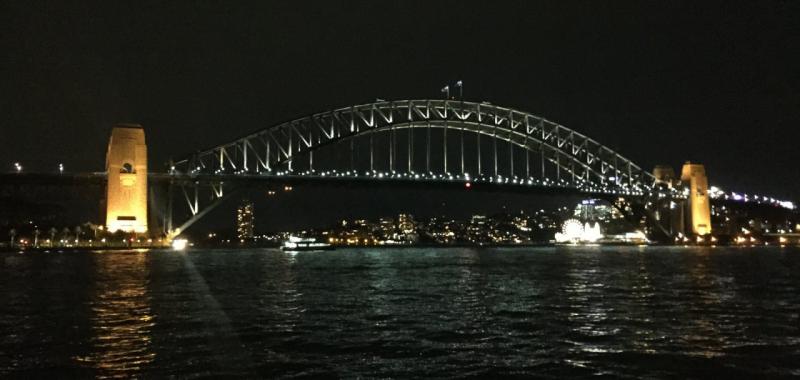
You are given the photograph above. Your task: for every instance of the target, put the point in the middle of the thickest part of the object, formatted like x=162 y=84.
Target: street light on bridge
x=18 y=167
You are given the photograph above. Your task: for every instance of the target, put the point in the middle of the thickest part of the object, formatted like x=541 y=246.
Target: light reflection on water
x=545 y=312
x=121 y=318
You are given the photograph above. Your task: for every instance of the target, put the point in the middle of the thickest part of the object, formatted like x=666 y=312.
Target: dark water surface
x=657 y=312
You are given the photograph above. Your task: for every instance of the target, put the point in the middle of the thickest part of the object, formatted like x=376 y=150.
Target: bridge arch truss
x=547 y=153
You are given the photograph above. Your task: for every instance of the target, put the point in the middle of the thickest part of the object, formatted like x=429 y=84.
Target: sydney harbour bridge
x=419 y=143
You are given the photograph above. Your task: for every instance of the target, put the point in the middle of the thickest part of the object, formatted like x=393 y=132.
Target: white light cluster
x=179 y=244
x=573 y=231
x=717 y=193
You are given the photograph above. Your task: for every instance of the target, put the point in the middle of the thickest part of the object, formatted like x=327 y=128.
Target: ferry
x=296 y=244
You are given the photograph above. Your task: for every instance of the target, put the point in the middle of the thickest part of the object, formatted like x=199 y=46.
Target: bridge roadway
x=338 y=180
x=277 y=181
x=47 y=179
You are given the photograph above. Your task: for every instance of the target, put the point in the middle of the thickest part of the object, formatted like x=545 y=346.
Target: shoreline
x=393 y=247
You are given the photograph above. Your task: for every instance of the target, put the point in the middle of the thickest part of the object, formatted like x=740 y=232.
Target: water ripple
x=467 y=313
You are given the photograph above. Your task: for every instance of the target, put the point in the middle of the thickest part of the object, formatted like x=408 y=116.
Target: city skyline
x=399 y=189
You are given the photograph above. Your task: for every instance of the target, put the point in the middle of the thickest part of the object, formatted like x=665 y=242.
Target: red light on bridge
x=468 y=185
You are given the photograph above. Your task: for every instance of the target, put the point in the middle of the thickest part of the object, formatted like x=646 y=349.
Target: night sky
x=662 y=83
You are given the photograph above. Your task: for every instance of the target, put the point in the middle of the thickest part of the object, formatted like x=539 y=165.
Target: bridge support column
x=699 y=207
x=168 y=211
x=126 y=165
x=669 y=211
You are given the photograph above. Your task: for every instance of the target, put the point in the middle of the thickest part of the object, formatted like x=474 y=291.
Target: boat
x=296 y=244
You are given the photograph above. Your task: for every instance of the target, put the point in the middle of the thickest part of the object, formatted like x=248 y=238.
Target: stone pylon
x=694 y=176
x=126 y=165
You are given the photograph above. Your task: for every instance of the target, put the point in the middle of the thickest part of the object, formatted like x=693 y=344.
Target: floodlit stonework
x=699 y=206
x=126 y=165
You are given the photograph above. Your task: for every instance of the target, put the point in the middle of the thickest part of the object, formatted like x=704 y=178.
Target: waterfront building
x=386 y=227
x=407 y=228
x=478 y=230
x=245 y=220
x=406 y=223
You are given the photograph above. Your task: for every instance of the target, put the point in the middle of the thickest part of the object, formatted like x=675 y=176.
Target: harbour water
x=550 y=312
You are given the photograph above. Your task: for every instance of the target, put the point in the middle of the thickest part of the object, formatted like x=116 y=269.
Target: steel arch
x=590 y=165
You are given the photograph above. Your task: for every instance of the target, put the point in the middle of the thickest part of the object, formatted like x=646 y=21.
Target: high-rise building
x=386 y=227
x=245 y=220
x=407 y=228
x=478 y=230
x=406 y=223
